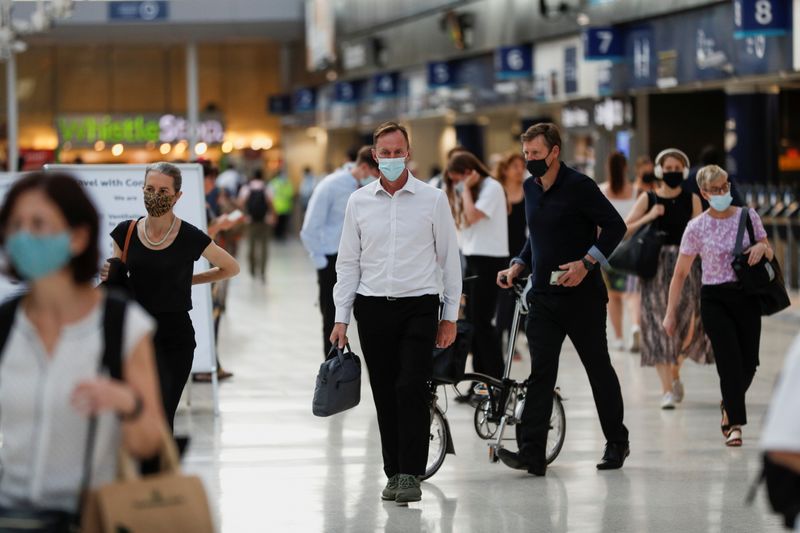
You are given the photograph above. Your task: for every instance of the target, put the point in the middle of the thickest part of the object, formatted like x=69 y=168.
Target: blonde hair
x=709 y=173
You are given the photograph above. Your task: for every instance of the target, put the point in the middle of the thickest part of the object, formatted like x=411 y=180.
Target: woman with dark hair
x=622 y=195
x=161 y=254
x=53 y=343
x=480 y=208
x=510 y=173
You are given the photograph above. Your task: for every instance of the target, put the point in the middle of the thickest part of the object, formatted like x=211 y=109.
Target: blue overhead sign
x=347 y=92
x=606 y=43
x=140 y=11
x=762 y=17
x=280 y=104
x=305 y=100
x=514 y=62
x=570 y=70
x=442 y=74
x=386 y=85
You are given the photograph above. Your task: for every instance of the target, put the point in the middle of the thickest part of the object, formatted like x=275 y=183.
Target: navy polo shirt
x=563 y=226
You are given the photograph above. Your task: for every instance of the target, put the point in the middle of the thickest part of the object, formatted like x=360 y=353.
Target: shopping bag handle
x=168 y=454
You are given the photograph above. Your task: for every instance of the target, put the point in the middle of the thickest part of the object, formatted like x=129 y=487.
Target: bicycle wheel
x=558 y=430
x=437 y=447
x=485 y=428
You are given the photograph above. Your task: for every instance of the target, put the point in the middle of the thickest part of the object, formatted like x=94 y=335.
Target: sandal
x=725 y=428
x=734 y=438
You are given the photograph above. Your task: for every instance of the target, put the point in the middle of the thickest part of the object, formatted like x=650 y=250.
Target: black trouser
x=582 y=317
x=487 y=354
x=398 y=338
x=174 y=344
x=326 y=279
x=258 y=235
x=732 y=320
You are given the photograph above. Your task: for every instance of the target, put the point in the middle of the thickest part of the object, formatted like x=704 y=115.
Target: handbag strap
x=739 y=246
x=131 y=227
x=113 y=323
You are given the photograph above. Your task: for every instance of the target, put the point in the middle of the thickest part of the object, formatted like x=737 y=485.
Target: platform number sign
x=385 y=85
x=603 y=44
x=513 y=62
x=761 y=17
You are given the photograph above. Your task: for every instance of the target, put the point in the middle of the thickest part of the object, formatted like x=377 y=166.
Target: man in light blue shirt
x=322 y=228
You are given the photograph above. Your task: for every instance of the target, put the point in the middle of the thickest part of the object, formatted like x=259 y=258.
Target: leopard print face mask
x=158 y=204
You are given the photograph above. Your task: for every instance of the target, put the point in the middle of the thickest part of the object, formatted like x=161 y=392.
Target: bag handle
x=737 y=248
x=131 y=227
x=338 y=352
x=127 y=469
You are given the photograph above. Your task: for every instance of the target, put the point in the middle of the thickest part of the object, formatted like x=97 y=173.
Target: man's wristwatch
x=588 y=264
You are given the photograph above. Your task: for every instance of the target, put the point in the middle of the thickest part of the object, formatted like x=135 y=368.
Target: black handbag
x=338 y=383
x=639 y=254
x=449 y=363
x=118 y=275
x=764 y=279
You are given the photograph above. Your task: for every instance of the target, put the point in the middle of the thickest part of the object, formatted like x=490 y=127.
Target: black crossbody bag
x=33 y=520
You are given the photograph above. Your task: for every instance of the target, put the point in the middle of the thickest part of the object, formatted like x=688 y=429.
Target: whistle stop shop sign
x=144 y=11
x=86 y=130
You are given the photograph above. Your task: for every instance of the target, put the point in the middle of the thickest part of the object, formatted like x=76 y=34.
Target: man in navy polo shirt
x=564 y=211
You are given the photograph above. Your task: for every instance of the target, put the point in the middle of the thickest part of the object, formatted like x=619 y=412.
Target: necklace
x=166 y=235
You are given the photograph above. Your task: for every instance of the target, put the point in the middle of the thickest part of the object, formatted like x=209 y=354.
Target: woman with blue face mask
x=670 y=208
x=732 y=318
x=51 y=379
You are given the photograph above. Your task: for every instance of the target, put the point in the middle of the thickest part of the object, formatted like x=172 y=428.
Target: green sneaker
x=390 y=491
x=407 y=489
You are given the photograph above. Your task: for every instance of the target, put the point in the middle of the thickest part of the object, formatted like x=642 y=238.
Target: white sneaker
x=677 y=390
x=668 y=401
x=618 y=345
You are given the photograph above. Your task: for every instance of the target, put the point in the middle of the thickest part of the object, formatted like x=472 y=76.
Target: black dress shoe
x=513 y=460
x=615 y=455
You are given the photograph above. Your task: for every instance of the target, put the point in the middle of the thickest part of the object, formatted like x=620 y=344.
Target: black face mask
x=673 y=179
x=538 y=167
x=648 y=178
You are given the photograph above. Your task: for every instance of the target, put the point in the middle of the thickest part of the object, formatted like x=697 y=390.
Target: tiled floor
x=270 y=465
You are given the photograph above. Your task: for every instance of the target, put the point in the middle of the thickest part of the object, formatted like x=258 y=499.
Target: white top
x=322 y=225
x=400 y=246
x=782 y=428
x=622 y=205
x=488 y=236
x=44 y=438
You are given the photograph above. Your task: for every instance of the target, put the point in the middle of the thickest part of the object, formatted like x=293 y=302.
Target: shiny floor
x=270 y=465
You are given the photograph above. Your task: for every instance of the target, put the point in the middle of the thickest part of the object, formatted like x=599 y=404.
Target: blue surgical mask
x=720 y=202
x=392 y=167
x=366 y=181
x=38 y=256
x=460 y=187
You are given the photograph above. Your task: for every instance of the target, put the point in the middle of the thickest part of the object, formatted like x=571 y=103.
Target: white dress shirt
x=322 y=225
x=398 y=246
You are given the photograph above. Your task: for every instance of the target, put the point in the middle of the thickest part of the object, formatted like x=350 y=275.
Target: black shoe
x=513 y=460
x=614 y=456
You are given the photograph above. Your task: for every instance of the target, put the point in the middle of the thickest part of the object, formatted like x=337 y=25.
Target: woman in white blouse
x=479 y=205
x=51 y=383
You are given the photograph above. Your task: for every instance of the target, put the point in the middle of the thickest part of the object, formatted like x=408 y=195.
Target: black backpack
x=256 y=205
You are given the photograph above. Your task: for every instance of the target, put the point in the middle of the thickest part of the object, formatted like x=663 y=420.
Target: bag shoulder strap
x=737 y=248
x=131 y=227
x=113 y=327
x=8 y=311
x=749 y=225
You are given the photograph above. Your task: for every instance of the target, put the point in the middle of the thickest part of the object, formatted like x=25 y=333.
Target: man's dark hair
x=364 y=155
x=258 y=174
x=73 y=202
x=389 y=127
x=709 y=155
x=549 y=132
x=352 y=153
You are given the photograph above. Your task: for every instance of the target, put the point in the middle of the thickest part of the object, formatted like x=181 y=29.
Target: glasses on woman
x=716 y=191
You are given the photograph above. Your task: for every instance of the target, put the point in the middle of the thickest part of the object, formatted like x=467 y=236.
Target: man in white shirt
x=322 y=229
x=781 y=436
x=398 y=252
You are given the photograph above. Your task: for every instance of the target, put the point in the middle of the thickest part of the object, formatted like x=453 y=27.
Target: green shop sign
x=86 y=130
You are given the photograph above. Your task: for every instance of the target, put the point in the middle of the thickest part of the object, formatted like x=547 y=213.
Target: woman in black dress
x=511 y=173
x=161 y=256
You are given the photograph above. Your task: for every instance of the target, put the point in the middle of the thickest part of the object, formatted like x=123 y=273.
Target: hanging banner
x=570 y=70
x=442 y=74
x=762 y=17
x=347 y=92
x=144 y=11
x=514 y=62
x=280 y=104
x=605 y=43
x=386 y=85
x=304 y=100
